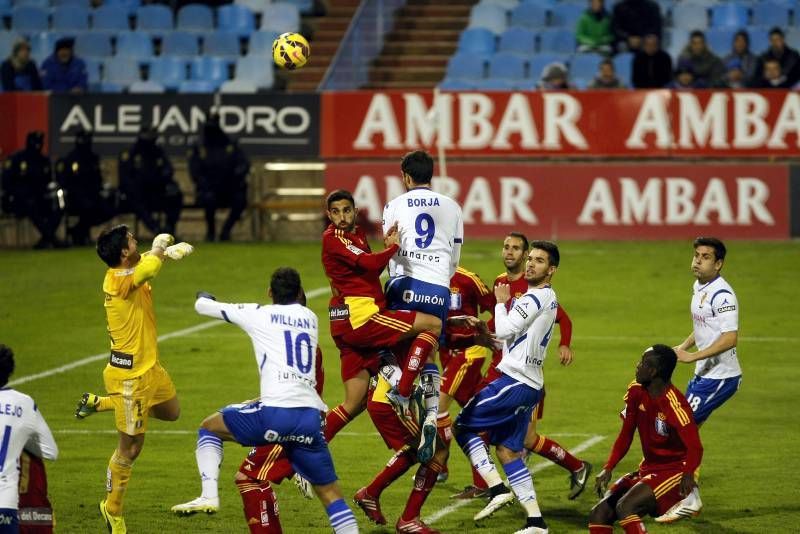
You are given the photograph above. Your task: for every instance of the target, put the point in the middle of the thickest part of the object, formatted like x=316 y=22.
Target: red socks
x=423 y=483
x=423 y=345
x=600 y=529
x=399 y=464
x=632 y=524
x=336 y=420
x=260 y=508
x=554 y=452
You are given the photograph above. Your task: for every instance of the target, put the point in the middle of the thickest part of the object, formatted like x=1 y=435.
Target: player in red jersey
x=35 y=511
x=670 y=443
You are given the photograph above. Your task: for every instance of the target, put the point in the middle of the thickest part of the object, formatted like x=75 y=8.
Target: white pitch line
x=535 y=469
x=316 y=292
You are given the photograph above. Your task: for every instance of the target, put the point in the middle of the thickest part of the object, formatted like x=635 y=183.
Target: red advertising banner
x=629 y=124
x=20 y=113
x=594 y=201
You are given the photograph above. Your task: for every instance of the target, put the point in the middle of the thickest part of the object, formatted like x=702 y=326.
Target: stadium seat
x=260 y=43
x=111 y=87
x=93 y=44
x=129 y=6
x=195 y=17
x=529 y=16
x=197 y=86
x=70 y=18
x=180 y=44
x=466 y=66
x=210 y=69
x=221 y=44
x=507 y=66
x=666 y=8
x=43 y=4
x=729 y=15
x=236 y=19
x=253 y=69
x=135 y=45
x=7 y=40
x=772 y=14
x=517 y=40
x=720 y=40
x=93 y=70
x=281 y=17
x=305 y=6
x=759 y=39
x=793 y=37
x=496 y=84
x=168 y=71
x=42 y=44
x=140 y=87
x=154 y=18
x=623 y=65
x=5 y=10
x=537 y=63
x=123 y=71
x=508 y=5
x=584 y=65
x=452 y=84
x=256 y=6
x=27 y=19
x=491 y=17
x=557 y=40
x=476 y=41
x=72 y=3
x=110 y=18
x=238 y=87
x=566 y=15
x=690 y=16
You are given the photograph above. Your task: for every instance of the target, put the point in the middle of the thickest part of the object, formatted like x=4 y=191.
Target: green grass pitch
x=622 y=297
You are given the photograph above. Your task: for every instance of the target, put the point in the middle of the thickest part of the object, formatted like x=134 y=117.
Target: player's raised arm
x=151 y=261
x=238 y=314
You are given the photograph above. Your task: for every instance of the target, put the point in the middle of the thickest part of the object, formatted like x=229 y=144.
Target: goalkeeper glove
x=162 y=241
x=205 y=295
x=179 y=251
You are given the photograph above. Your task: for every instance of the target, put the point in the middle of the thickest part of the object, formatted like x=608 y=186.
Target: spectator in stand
x=734 y=75
x=594 y=29
x=18 y=72
x=606 y=77
x=740 y=51
x=685 y=79
x=62 y=71
x=555 y=77
x=632 y=20
x=788 y=58
x=773 y=76
x=652 y=67
x=707 y=68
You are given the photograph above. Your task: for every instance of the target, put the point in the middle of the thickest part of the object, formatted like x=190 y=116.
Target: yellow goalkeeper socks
x=119 y=472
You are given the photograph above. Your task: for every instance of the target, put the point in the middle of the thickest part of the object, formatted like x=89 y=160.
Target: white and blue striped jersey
x=21 y=427
x=526 y=331
x=431 y=233
x=285 y=345
x=715 y=310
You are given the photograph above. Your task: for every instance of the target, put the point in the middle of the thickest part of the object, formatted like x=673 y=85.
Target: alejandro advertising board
x=265 y=125
x=625 y=124
x=643 y=201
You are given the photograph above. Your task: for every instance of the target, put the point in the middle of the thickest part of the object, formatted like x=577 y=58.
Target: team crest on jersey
x=661 y=425
x=702 y=300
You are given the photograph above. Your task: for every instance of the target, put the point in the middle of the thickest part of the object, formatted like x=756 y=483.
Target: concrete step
x=326 y=24
x=423 y=35
x=431 y=23
x=439 y=2
x=395 y=62
x=423 y=11
x=422 y=75
x=437 y=48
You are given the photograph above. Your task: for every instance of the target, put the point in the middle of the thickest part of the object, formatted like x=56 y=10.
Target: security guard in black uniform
x=147 y=186
x=29 y=190
x=88 y=198
x=219 y=169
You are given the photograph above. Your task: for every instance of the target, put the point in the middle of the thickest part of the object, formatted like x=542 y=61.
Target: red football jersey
x=468 y=294
x=669 y=435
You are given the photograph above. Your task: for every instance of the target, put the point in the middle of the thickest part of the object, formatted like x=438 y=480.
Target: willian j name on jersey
x=298 y=322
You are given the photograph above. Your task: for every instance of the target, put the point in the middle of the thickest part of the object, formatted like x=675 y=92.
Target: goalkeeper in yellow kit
x=137 y=385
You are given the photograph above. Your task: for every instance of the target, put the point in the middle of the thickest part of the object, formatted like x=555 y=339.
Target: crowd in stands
x=527 y=44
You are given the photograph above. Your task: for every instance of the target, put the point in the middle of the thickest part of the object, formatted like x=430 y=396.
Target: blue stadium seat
x=238 y=87
x=507 y=66
x=43 y=4
x=154 y=18
x=675 y=37
x=130 y=6
x=93 y=44
x=452 y=84
x=496 y=84
x=123 y=71
x=690 y=16
x=168 y=71
x=72 y=3
x=221 y=44
x=5 y=8
x=195 y=17
x=210 y=69
x=476 y=41
x=566 y=15
x=281 y=17
x=197 y=86
x=180 y=44
x=111 y=87
x=135 y=45
x=529 y=16
x=580 y=83
x=585 y=65
x=759 y=39
x=253 y=69
x=42 y=45
x=236 y=19
x=70 y=18
x=507 y=5
x=256 y=6
x=94 y=70
x=623 y=65
x=537 y=63
x=773 y=14
x=27 y=19
x=145 y=87
x=793 y=37
x=518 y=40
x=720 y=40
x=488 y=16
x=260 y=43
x=110 y=18
x=305 y=6
x=665 y=6
x=557 y=40
x=729 y=15
x=7 y=40
x=466 y=66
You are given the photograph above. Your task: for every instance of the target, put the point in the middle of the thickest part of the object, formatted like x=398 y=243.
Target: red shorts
x=260 y=460
x=462 y=374
x=666 y=486
x=394 y=431
x=383 y=329
x=354 y=360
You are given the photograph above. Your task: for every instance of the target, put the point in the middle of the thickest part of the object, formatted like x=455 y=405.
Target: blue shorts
x=406 y=293
x=503 y=410
x=705 y=395
x=9 y=521
x=298 y=430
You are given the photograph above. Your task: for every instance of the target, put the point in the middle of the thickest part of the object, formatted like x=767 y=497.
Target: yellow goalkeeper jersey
x=131 y=319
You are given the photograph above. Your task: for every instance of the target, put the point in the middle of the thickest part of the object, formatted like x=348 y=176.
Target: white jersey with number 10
x=431 y=233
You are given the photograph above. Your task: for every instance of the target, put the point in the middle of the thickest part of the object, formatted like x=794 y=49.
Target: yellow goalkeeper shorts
x=133 y=397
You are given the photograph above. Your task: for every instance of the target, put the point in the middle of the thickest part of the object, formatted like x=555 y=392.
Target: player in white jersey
x=503 y=408
x=21 y=427
x=431 y=232
x=289 y=411
x=715 y=333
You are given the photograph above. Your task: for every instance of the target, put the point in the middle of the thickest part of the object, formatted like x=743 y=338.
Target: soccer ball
x=290 y=51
